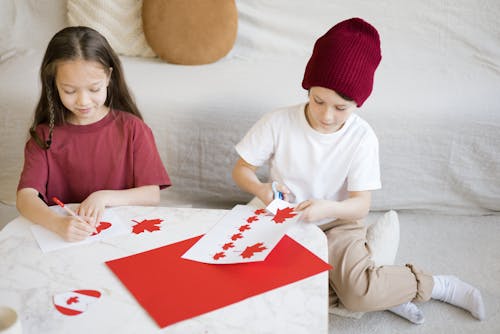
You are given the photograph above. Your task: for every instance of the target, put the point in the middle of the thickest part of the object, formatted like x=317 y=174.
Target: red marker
x=68 y=210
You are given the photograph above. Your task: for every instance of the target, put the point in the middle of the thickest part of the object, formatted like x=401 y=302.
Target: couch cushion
x=119 y=21
x=190 y=32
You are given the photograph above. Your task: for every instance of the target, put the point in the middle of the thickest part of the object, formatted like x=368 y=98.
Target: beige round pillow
x=190 y=32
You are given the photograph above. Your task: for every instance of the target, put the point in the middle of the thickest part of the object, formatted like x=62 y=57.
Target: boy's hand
x=315 y=209
x=266 y=193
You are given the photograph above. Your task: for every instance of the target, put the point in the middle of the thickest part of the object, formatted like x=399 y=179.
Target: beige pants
x=360 y=285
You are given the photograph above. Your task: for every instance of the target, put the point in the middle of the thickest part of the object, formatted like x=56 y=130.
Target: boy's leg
x=409 y=311
x=360 y=285
x=452 y=290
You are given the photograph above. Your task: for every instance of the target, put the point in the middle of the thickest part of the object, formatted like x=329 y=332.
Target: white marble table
x=29 y=279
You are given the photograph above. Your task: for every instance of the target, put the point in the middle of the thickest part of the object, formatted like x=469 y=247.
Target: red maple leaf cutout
x=243 y=228
x=260 y=211
x=283 y=214
x=252 y=219
x=72 y=300
x=236 y=236
x=101 y=227
x=227 y=246
x=150 y=225
x=250 y=250
x=219 y=255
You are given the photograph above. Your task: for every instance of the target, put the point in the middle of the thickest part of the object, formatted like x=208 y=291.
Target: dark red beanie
x=345 y=59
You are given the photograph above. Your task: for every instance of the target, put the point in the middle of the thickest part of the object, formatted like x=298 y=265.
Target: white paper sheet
x=50 y=241
x=244 y=234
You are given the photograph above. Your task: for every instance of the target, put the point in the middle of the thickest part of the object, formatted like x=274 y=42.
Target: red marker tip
x=57 y=201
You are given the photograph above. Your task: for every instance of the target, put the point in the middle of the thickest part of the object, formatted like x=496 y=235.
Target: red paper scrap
x=150 y=225
x=170 y=290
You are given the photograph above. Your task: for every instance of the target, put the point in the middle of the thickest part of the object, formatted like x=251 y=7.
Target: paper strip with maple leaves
x=244 y=234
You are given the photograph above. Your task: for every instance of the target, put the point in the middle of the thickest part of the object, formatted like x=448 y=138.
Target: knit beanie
x=345 y=59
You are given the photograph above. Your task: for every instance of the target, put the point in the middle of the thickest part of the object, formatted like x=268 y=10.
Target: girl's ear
x=109 y=76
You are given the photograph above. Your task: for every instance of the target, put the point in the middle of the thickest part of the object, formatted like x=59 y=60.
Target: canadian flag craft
x=172 y=289
x=75 y=302
x=244 y=234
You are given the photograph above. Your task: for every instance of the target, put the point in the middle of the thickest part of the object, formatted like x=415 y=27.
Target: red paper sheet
x=172 y=289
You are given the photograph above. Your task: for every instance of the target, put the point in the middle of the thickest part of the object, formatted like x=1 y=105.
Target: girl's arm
x=355 y=207
x=34 y=209
x=94 y=205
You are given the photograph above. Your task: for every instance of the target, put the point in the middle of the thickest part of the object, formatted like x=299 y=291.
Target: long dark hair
x=73 y=43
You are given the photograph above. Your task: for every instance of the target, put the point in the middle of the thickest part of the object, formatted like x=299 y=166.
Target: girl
x=88 y=143
x=325 y=158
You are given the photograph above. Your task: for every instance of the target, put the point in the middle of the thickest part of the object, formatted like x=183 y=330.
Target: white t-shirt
x=313 y=165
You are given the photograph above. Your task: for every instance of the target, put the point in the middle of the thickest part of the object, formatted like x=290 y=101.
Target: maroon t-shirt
x=118 y=152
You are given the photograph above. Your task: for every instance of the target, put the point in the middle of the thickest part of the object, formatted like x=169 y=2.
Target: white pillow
x=120 y=21
x=383 y=239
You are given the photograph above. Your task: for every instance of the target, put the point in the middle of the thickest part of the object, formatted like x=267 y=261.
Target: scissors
x=276 y=193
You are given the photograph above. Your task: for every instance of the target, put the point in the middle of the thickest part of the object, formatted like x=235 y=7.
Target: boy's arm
x=355 y=207
x=244 y=174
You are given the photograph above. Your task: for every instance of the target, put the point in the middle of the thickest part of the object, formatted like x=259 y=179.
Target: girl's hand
x=315 y=209
x=93 y=207
x=72 y=229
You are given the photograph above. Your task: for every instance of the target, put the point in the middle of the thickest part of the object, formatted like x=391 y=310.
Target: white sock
x=452 y=290
x=410 y=312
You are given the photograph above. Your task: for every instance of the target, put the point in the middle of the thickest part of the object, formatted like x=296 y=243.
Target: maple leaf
x=260 y=211
x=72 y=300
x=101 y=227
x=252 y=219
x=251 y=250
x=236 y=236
x=227 y=246
x=150 y=225
x=219 y=255
x=243 y=228
x=283 y=214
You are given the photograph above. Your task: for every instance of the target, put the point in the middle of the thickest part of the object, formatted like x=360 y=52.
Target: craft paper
x=172 y=289
x=75 y=302
x=244 y=234
x=109 y=226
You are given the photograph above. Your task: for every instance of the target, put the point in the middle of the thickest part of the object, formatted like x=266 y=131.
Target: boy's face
x=327 y=111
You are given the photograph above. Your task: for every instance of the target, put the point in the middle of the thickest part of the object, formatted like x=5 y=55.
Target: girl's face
x=82 y=86
x=327 y=111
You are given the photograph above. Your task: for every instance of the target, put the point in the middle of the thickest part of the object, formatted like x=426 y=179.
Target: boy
x=325 y=158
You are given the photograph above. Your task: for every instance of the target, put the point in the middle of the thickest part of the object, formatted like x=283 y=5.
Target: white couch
x=435 y=104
